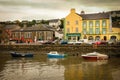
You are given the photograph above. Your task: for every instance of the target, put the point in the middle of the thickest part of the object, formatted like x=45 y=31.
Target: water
x=71 y=68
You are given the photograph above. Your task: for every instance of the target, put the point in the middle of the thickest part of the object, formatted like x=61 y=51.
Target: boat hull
x=95 y=57
x=55 y=56
x=13 y=54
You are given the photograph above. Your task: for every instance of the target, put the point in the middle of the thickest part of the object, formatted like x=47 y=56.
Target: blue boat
x=55 y=54
x=16 y=54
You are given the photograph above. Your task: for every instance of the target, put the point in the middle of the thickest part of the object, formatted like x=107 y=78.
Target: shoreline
x=111 y=50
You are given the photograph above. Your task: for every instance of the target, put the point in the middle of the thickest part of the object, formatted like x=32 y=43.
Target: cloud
x=45 y=9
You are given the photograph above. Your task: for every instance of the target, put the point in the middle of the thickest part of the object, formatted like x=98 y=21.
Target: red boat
x=95 y=56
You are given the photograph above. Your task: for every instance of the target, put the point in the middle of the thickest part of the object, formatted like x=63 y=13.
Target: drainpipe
x=110 y=27
x=110 y=17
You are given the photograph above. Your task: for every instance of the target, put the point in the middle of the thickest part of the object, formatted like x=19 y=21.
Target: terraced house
x=96 y=26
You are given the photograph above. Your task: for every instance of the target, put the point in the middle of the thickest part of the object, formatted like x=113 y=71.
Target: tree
x=3 y=35
x=62 y=23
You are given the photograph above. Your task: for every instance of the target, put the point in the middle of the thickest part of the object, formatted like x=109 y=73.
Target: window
x=68 y=30
x=16 y=34
x=90 y=38
x=76 y=22
x=97 y=38
x=104 y=23
x=84 y=24
x=104 y=30
x=84 y=31
x=97 y=23
x=76 y=29
x=27 y=34
x=68 y=23
x=91 y=31
x=90 y=24
x=97 y=30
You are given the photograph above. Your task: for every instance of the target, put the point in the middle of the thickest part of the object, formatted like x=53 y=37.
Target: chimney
x=73 y=10
x=82 y=12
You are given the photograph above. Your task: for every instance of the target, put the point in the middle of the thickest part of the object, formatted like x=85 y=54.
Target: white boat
x=95 y=56
x=55 y=54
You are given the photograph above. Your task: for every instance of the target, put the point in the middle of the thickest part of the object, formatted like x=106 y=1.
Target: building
x=59 y=34
x=33 y=34
x=55 y=23
x=96 y=26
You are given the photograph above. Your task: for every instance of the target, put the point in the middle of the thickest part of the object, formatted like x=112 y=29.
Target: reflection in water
x=87 y=70
x=71 y=68
x=22 y=68
x=95 y=70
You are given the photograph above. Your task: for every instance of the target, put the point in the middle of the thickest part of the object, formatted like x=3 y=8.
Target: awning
x=73 y=34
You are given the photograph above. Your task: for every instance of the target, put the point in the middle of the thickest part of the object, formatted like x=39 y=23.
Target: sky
x=11 y=10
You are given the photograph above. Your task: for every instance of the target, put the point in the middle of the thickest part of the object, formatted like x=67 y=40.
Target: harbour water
x=70 y=68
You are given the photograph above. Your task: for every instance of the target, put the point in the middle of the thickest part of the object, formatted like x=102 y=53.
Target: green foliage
x=44 y=22
x=62 y=23
x=3 y=35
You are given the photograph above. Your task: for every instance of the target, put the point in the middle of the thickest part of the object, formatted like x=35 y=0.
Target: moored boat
x=55 y=54
x=95 y=56
x=16 y=54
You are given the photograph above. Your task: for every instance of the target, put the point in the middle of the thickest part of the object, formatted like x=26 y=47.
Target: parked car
x=90 y=42
x=104 y=43
x=111 y=42
x=63 y=42
x=76 y=42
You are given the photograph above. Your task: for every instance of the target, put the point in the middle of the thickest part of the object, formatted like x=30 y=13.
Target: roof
x=40 y=27
x=54 y=20
x=12 y=27
x=94 y=16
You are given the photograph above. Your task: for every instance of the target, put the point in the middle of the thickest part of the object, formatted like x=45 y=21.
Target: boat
x=16 y=54
x=55 y=54
x=94 y=56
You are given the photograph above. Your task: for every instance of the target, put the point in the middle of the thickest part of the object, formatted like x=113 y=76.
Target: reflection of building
x=97 y=26
x=73 y=72
x=87 y=70
x=34 y=33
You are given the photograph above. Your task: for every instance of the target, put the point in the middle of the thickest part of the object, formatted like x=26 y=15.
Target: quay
x=112 y=50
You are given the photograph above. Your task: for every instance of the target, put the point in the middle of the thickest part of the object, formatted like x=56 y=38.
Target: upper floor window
x=68 y=23
x=91 y=31
x=76 y=22
x=76 y=29
x=68 y=30
x=104 y=23
x=104 y=30
x=84 y=31
x=84 y=24
x=97 y=23
x=97 y=30
x=90 y=24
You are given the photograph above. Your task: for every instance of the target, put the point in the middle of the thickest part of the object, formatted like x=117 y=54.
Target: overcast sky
x=51 y=9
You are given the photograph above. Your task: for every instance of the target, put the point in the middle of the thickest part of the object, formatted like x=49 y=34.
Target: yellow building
x=97 y=26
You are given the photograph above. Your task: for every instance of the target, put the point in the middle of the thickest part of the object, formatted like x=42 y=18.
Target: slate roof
x=54 y=20
x=12 y=27
x=94 y=16
x=41 y=27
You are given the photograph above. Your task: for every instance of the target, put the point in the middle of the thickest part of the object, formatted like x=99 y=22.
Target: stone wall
x=68 y=49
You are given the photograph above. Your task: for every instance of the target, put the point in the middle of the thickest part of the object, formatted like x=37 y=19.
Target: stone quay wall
x=68 y=49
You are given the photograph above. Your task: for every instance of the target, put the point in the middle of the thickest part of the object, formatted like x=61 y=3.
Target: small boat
x=95 y=56
x=16 y=54
x=55 y=54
